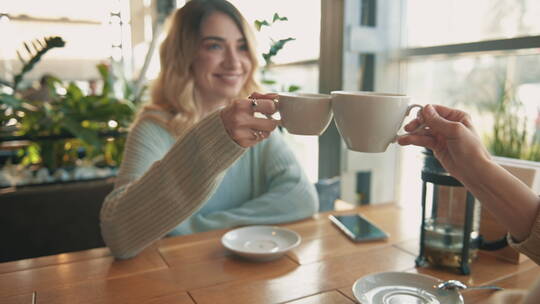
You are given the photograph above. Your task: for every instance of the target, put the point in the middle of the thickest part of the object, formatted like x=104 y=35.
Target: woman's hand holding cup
x=241 y=124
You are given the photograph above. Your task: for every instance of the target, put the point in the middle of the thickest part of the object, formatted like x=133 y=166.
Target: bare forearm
x=513 y=203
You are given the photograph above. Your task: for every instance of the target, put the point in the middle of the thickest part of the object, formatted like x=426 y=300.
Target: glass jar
x=451 y=217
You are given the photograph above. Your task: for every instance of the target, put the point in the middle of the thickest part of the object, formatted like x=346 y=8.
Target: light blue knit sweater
x=265 y=186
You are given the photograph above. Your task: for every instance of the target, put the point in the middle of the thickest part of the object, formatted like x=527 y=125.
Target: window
x=454 y=52
x=297 y=63
x=442 y=22
x=88 y=29
x=464 y=54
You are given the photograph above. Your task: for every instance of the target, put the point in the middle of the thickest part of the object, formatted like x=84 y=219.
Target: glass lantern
x=450 y=224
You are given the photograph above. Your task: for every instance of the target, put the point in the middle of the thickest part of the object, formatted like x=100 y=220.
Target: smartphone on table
x=358 y=228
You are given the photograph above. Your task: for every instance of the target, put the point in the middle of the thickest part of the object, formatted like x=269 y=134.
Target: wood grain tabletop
x=198 y=269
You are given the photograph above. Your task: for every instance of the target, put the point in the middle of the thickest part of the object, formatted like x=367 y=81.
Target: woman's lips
x=229 y=78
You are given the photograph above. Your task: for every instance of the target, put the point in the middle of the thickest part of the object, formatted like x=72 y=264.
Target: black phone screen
x=358 y=228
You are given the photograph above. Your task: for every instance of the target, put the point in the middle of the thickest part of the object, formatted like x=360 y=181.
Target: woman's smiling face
x=222 y=64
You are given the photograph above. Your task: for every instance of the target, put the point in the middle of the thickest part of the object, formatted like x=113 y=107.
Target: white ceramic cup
x=369 y=121
x=305 y=113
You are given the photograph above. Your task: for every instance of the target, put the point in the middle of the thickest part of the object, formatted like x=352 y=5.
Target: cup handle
x=420 y=127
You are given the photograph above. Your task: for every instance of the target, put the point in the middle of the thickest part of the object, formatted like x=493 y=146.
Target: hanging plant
x=275 y=47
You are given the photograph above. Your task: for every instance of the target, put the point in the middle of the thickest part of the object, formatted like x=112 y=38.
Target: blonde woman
x=197 y=158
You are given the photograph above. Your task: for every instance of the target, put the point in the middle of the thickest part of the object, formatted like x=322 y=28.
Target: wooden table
x=197 y=269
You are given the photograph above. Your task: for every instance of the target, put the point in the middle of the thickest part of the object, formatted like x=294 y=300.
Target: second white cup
x=369 y=121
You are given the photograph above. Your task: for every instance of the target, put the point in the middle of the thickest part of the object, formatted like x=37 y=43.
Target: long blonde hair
x=173 y=90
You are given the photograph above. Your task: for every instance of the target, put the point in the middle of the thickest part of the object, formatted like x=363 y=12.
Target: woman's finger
x=259 y=135
x=412 y=125
x=262 y=124
x=264 y=134
x=264 y=106
x=263 y=96
x=246 y=137
x=417 y=140
x=252 y=136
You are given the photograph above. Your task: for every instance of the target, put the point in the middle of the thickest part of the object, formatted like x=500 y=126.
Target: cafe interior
x=391 y=225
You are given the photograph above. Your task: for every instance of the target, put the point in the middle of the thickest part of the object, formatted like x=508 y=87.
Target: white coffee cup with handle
x=369 y=121
x=305 y=113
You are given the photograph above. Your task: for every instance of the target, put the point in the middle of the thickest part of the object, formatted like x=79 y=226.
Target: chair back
x=329 y=190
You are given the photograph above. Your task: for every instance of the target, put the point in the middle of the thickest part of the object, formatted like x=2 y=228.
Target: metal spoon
x=455 y=284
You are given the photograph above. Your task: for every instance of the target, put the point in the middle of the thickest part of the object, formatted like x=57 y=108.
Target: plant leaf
x=293 y=88
x=106 y=76
x=36 y=47
x=20 y=57
x=27 y=48
x=277 y=17
x=5 y=83
x=50 y=42
x=74 y=92
x=88 y=136
x=268 y=81
x=10 y=100
x=274 y=49
x=260 y=23
x=55 y=41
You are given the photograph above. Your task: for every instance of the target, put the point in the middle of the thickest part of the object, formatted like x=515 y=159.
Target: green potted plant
x=515 y=148
x=511 y=142
x=68 y=128
x=511 y=137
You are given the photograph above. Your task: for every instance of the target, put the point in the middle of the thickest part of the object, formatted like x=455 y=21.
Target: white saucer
x=262 y=243
x=402 y=287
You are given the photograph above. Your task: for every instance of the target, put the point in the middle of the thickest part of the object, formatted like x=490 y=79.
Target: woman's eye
x=243 y=47
x=213 y=46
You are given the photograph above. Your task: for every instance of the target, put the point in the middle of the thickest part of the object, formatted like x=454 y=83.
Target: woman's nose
x=232 y=59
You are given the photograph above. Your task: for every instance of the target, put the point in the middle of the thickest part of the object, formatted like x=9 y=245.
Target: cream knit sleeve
x=143 y=210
